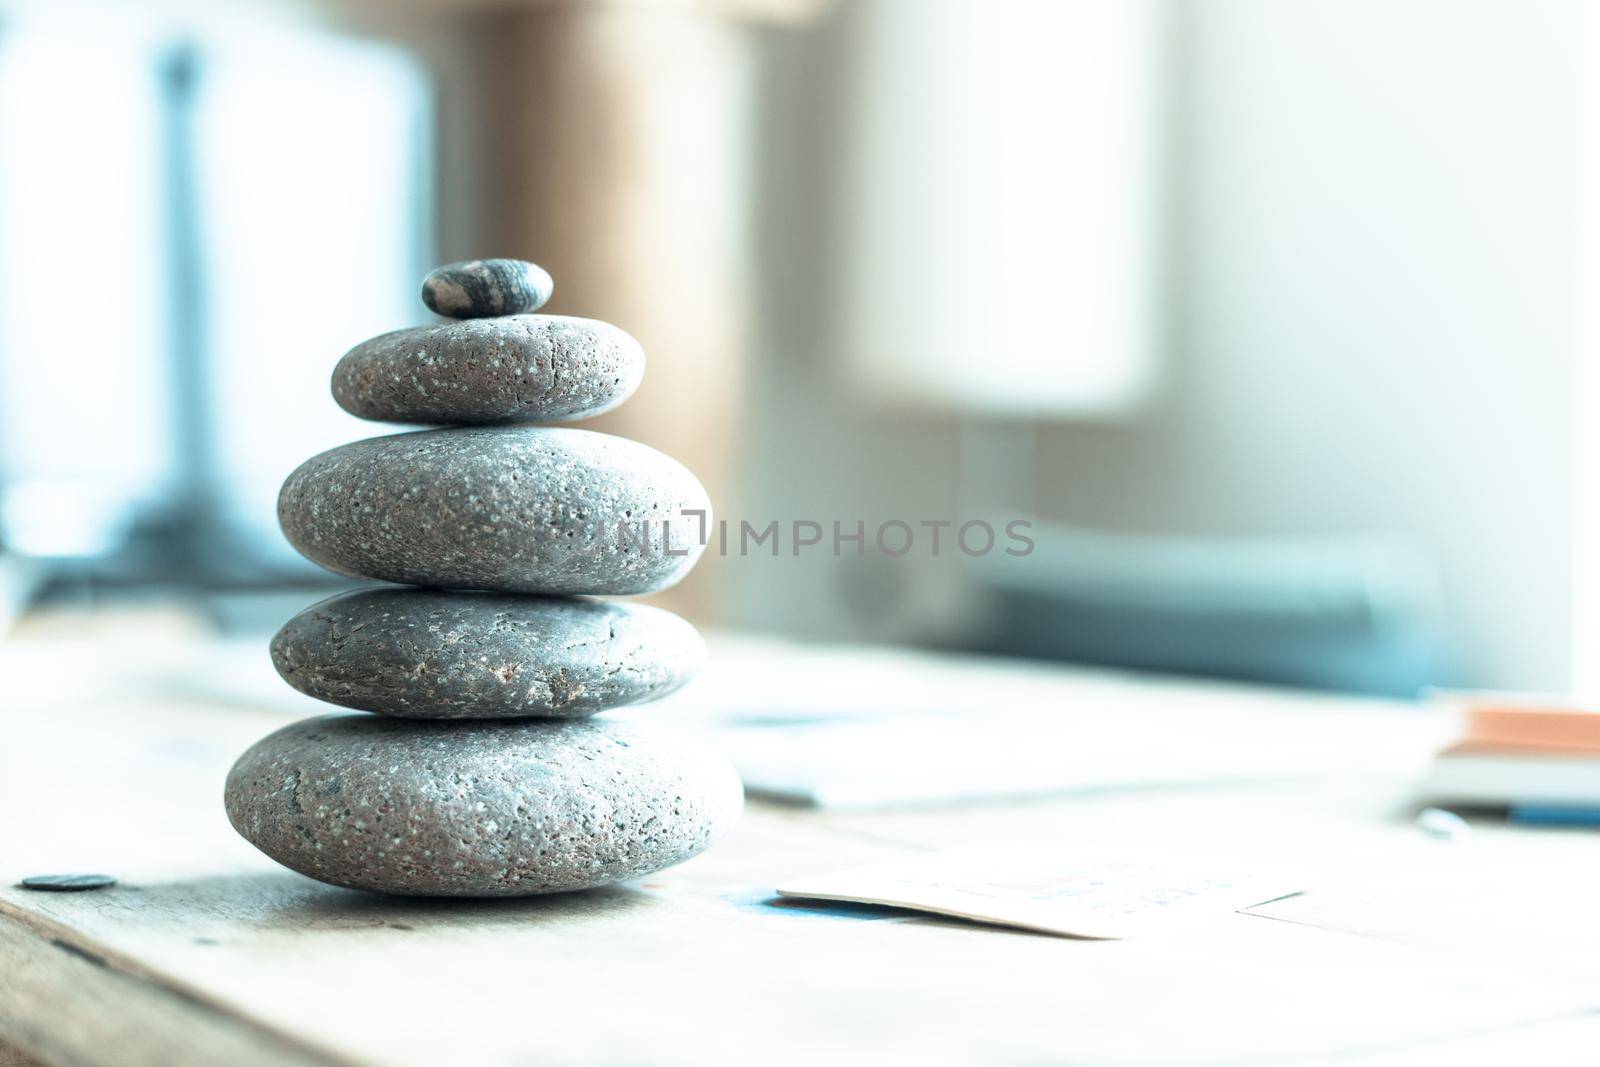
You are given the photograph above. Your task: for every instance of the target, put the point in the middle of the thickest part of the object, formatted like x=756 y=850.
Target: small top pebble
x=485 y=288
x=67 y=883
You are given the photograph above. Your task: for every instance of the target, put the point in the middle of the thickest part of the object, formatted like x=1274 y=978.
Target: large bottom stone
x=482 y=809
x=425 y=654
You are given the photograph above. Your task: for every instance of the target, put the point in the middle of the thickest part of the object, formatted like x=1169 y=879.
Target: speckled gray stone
x=526 y=368
x=508 y=509
x=478 y=288
x=425 y=654
x=485 y=809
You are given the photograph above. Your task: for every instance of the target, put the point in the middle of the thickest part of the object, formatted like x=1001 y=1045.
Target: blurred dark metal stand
x=180 y=539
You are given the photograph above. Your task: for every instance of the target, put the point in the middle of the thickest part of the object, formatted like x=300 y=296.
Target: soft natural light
x=1586 y=391
x=311 y=208
x=1000 y=205
x=83 y=377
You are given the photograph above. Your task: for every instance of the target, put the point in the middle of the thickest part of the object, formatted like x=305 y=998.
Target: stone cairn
x=482 y=773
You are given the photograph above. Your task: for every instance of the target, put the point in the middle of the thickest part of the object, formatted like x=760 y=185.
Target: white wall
x=1375 y=304
x=1372 y=305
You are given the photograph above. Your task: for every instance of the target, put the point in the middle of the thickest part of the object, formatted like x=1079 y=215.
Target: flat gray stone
x=425 y=654
x=525 y=368
x=477 y=288
x=67 y=883
x=506 y=509
x=487 y=809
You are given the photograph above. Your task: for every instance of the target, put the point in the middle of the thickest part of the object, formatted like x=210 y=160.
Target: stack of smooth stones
x=482 y=773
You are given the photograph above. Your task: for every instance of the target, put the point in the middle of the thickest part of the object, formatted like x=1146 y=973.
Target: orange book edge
x=1533 y=727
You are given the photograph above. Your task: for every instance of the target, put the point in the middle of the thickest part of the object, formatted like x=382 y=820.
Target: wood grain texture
x=11 y=1056
x=207 y=952
x=68 y=1004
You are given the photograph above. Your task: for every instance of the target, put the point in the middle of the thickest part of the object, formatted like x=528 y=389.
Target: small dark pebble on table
x=67 y=883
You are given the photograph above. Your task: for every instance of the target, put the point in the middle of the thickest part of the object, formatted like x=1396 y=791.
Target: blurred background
x=1268 y=316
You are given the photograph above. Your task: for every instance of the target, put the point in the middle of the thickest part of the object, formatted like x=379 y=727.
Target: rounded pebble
x=422 y=654
x=505 y=509
x=486 y=809
x=479 y=288
x=67 y=883
x=1443 y=825
x=526 y=368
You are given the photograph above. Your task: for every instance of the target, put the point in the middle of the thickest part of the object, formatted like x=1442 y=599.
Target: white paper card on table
x=899 y=758
x=1076 y=889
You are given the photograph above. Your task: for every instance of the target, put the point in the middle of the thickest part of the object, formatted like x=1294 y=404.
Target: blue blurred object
x=1553 y=815
x=1352 y=615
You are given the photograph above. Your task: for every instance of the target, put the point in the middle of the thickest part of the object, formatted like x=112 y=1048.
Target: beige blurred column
x=621 y=159
x=611 y=142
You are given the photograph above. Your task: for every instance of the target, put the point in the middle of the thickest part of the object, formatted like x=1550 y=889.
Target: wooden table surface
x=1404 y=949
